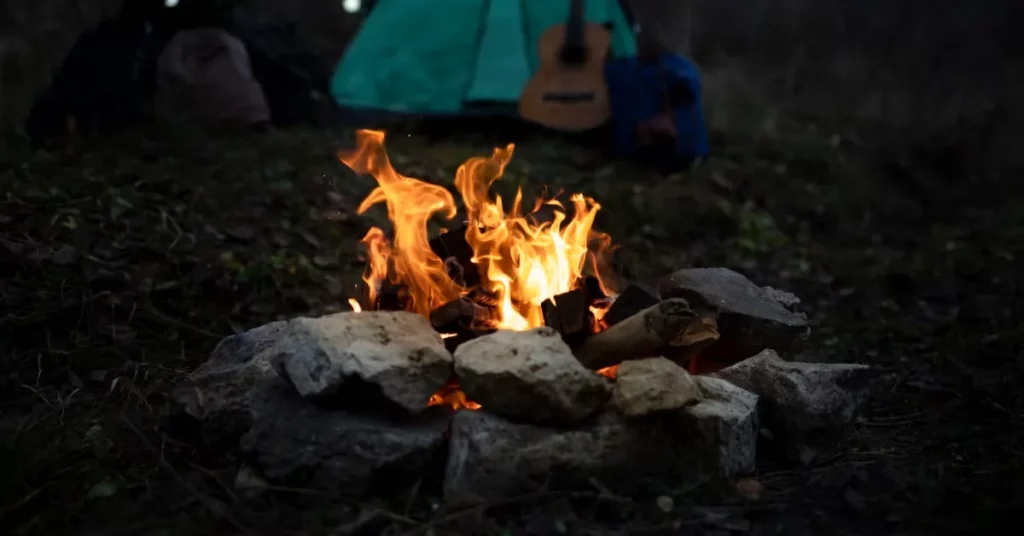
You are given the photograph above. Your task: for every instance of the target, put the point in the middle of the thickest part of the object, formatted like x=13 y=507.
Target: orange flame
x=521 y=262
x=450 y=395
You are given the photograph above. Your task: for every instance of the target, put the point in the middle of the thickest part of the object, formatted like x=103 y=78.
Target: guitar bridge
x=570 y=97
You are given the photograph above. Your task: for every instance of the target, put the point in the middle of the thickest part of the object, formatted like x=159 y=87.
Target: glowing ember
x=521 y=262
x=450 y=395
x=355 y=305
x=609 y=372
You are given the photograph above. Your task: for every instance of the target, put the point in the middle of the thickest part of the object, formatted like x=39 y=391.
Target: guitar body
x=569 y=95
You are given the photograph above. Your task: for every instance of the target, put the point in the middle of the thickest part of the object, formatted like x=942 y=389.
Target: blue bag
x=638 y=94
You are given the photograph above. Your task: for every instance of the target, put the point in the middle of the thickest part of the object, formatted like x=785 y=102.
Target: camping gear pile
x=201 y=62
x=541 y=60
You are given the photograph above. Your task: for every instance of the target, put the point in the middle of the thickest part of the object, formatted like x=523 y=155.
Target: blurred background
x=929 y=78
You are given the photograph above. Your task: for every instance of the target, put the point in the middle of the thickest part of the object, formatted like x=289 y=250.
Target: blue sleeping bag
x=637 y=93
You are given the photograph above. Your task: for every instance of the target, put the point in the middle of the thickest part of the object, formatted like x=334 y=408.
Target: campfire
x=505 y=345
x=512 y=270
x=496 y=270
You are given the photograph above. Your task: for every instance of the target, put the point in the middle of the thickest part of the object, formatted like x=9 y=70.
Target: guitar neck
x=574 y=25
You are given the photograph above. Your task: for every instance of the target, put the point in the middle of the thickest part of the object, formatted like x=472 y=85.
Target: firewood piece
x=391 y=297
x=452 y=316
x=461 y=320
x=454 y=244
x=669 y=325
x=632 y=299
x=569 y=314
x=595 y=293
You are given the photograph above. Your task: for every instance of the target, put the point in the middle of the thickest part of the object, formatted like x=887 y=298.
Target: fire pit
x=501 y=350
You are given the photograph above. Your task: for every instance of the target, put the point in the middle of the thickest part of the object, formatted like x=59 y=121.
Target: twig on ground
x=157 y=315
x=212 y=505
x=391 y=516
x=478 y=509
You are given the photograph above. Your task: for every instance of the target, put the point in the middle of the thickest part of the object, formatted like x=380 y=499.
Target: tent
x=455 y=57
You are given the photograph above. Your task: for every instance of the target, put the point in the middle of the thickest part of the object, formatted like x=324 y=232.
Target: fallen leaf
x=102 y=490
x=749 y=488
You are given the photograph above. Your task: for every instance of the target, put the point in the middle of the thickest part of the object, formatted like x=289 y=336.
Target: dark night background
x=866 y=156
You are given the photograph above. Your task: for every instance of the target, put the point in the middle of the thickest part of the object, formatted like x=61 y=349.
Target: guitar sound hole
x=573 y=55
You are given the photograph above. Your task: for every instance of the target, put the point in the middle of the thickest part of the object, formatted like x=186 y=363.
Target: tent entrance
x=453 y=57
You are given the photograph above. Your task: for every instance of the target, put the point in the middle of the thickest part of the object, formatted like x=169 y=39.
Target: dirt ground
x=122 y=266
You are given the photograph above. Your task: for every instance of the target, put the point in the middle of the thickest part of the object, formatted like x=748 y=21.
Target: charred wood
x=670 y=326
x=569 y=314
x=391 y=297
x=457 y=254
x=633 y=299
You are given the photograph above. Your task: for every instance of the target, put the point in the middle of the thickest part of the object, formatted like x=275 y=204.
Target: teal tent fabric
x=449 y=56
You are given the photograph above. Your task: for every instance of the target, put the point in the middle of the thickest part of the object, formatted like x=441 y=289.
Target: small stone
x=727 y=421
x=530 y=376
x=644 y=386
x=665 y=503
x=396 y=352
x=799 y=396
x=749 y=316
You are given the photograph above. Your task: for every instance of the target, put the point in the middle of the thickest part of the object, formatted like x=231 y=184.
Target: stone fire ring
x=341 y=402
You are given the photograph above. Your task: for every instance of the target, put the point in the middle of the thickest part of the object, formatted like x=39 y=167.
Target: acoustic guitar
x=568 y=92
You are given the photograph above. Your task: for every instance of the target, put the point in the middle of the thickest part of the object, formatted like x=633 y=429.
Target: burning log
x=633 y=299
x=668 y=327
x=595 y=293
x=569 y=314
x=457 y=254
x=465 y=318
x=453 y=316
x=391 y=297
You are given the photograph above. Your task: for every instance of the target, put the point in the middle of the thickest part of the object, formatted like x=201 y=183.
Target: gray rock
x=530 y=376
x=749 y=316
x=238 y=399
x=802 y=396
x=398 y=352
x=644 y=386
x=727 y=423
x=217 y=393
x=491 y=457
x=295 y=441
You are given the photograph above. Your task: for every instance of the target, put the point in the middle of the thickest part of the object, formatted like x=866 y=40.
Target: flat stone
x=750 y=318
x=398 y=353
x=237 y=399
x=802 y=396
x=491 y=457
x=296 y=442
x=644 y=386
x=529 y=376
